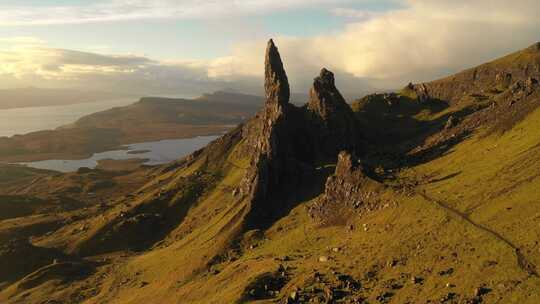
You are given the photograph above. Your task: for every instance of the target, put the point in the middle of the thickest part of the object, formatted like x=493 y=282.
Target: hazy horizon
x=173 y=47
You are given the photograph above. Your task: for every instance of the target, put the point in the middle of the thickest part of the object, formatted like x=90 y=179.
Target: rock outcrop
x=276 y=83
x=349 y=191
x=285 y=142
x=495 y=75
x=336 y=127
x=273 y=141
x=524 y=88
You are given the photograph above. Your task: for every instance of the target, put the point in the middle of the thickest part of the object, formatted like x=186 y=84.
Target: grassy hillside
x=442 y=206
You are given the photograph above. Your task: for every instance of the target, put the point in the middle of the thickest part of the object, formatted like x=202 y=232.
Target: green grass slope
x=449 y=213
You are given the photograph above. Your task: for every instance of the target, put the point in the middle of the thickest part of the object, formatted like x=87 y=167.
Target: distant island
x=149 y=119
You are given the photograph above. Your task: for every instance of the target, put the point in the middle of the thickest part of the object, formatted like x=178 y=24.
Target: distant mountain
x=149 y=112
x=232 y=97
x=151 y=118
x=36 y=97
x=235 y=97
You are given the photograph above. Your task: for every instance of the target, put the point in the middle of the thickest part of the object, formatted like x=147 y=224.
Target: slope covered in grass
x=436 y=201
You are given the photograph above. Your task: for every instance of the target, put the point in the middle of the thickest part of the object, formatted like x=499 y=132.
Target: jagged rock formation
x=420 y=90
x=495 y=75
x=268 y=136
x=336 y=128
x=522 y=89
x=286 y=141
x=347 y=192
x=276 y=83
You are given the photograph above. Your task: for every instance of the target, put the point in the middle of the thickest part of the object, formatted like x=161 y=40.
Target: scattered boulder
x=503 y=79
x=446 y=272
x=524 y=88
x=416 y=280
x=265 y=286
x=385 y=297
x=421 y=91
x=480 y=291
x=450 y=123
x=448 y=297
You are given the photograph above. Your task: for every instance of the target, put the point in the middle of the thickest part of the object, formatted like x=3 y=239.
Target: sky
x=189 y=47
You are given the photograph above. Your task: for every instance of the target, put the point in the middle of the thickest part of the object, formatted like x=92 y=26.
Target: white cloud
x=422 y=40
x=118 y=10
x=354 y=13
x=41 y=66
x=21 y=40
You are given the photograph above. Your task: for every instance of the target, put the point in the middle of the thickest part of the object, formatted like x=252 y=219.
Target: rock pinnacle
x=276 y=83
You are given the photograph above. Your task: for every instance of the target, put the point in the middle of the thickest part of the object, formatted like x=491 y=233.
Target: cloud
x=42 y=66
x=21 y=40
x=420 y=41
x=122 y=10
x=24 y=65
x=352 y=13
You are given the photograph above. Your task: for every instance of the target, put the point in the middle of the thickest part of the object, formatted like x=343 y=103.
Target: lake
x=26 y=120
x=156 y=152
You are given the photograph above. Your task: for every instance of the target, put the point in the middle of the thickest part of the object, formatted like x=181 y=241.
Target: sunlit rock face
x=285 y=143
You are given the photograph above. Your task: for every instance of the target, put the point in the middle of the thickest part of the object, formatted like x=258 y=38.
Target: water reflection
x=156 y=152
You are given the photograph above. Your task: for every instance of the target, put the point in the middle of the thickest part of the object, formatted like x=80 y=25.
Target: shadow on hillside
x=279 y=204
x=395 y=127
x=440 y=149
x=447 y=177
x=148 y=223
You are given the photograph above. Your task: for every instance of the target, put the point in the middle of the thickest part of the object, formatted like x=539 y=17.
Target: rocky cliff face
x=272 y=140
x=348 y=191
x=285 y=141
x=276 y=83
x=496 y=75
x=335 y=124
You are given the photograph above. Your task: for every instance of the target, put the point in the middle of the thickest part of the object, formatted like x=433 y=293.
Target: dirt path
x=522 y=261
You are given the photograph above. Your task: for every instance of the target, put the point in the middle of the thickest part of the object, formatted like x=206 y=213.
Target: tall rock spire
x=337 y=128
x=325 y=98
x=276 y=83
